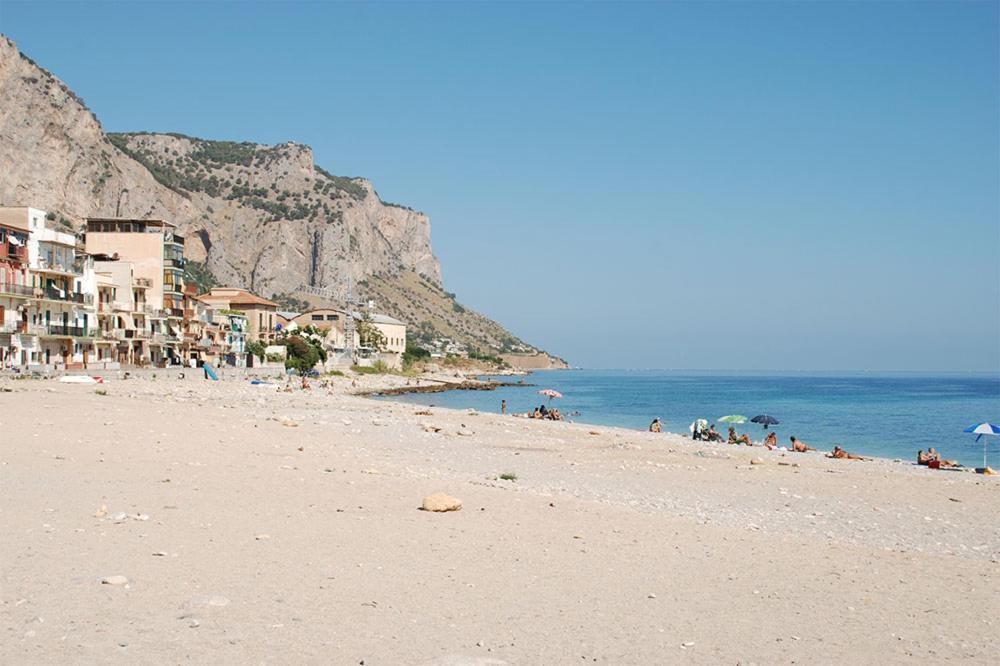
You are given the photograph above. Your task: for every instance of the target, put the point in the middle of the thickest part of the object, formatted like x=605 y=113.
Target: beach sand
x=272 y=527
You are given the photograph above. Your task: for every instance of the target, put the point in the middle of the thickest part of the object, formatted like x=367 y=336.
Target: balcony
x=114 y=334
x=175 y=312
x=14 y=253
x=142 y=283
x=173 y=263
x=45 y=265
x=65 y=296
x=61 y=330
x=23 y=290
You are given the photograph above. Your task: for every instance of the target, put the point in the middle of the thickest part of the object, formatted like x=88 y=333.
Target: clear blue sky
x=796 y=185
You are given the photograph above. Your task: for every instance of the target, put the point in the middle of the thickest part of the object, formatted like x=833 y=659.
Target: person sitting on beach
x=741 y=439
x=841 y=453
x=655 y=425
x=771 y=441
x=923 y=458
x=713 y=434
x=544 y=410
x=799 y=446
x=932 y=454
x=537 y=414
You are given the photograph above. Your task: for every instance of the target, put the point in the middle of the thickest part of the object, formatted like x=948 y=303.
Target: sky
x=718 y=185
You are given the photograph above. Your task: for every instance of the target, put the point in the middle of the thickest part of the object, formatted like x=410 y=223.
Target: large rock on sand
x=441 y=502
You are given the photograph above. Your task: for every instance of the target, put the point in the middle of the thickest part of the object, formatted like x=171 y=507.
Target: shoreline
x=826 y=444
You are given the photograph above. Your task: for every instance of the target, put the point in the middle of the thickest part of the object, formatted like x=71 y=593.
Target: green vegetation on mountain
x=197 y=273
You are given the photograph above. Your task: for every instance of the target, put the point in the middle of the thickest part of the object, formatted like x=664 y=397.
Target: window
x=317 y=317
x=332 y=317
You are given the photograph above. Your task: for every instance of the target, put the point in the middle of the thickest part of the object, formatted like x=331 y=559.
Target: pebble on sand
x=441 y=502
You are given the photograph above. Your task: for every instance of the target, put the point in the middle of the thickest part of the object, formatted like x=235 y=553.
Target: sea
x=891 y=415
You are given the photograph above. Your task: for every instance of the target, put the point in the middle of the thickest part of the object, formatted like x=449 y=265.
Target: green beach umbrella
x=732 y=418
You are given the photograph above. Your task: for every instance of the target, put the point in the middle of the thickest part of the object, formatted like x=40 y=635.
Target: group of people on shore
x=541 y=413
x=710 y=434
x=933 y=459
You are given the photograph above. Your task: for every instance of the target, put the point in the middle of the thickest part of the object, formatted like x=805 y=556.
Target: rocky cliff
x=261 y=217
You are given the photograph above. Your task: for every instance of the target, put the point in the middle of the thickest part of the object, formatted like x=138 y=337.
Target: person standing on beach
x=503 y=407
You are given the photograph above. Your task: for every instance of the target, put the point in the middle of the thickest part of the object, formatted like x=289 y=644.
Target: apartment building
x=156 y=252
x=261 y=314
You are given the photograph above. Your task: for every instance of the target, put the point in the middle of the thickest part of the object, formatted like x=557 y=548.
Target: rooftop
x=148 y=223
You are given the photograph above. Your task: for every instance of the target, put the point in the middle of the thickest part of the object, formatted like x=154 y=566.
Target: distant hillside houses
x=114 y=296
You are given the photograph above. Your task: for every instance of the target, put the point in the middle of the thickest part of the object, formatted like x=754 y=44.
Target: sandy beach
x=254 y=525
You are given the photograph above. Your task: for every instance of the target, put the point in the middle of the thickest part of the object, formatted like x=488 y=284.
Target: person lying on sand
x=655 y=426
x=801 y=447
x=771 y=441
x=742 y=439
x=841 y=453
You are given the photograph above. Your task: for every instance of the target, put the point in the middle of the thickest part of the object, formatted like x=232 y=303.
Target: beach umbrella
x=550 y=393
x=732 y=418
x=981 y=429
x=765 y=420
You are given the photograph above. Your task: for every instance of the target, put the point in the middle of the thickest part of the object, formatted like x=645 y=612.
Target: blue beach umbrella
x=765 y=420
x=981 y=429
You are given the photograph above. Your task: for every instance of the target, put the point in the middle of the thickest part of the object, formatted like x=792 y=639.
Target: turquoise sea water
x=889 y=415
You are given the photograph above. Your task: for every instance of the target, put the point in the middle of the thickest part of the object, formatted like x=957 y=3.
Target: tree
x=256 y=347
x=370 y=335
x=303 y=355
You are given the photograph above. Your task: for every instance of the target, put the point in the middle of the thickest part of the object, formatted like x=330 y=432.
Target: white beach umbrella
x=981 y=429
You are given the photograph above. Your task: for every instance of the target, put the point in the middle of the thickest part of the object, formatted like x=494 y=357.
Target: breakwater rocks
x=441 y=387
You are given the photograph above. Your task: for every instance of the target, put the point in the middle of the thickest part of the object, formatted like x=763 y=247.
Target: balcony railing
x=61 y=330
x=52 y=294
x=17 y=289
x=173 y=263
x=74 y=267
x=145 y=283
x=175 y=312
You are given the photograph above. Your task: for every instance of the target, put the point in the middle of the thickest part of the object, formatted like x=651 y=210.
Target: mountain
x=262 y=217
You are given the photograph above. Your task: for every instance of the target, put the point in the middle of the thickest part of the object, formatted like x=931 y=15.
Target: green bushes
x=255 y=347
x=303 y=354
x=198 y=273
x=414 y=353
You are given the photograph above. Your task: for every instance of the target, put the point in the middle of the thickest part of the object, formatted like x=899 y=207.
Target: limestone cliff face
x=55 y=155
x=269 y=219
x=261 y=217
